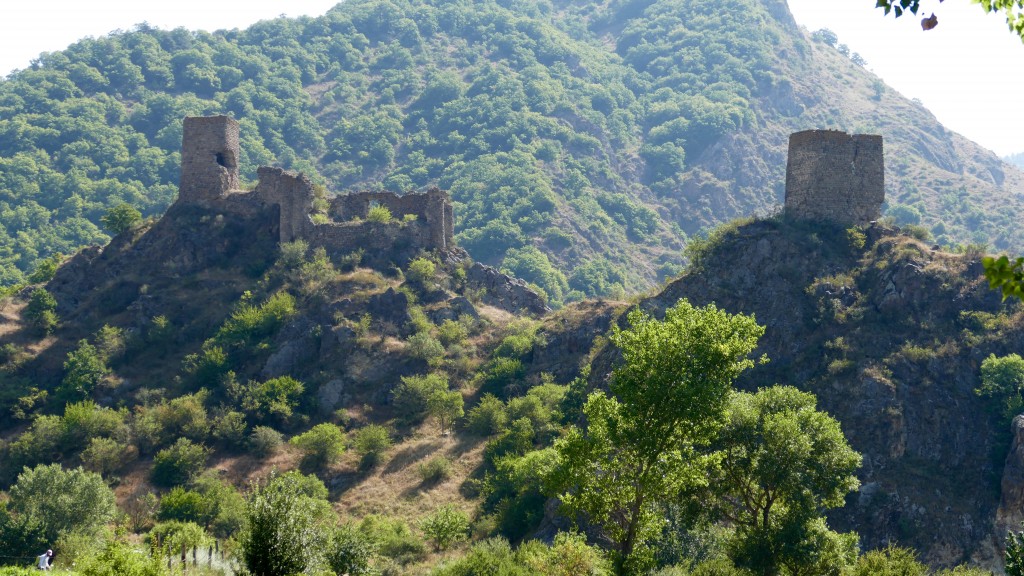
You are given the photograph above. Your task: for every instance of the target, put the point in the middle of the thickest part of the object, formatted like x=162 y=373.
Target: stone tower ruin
x=835 y=176
x=209 y=179
x=209 y=158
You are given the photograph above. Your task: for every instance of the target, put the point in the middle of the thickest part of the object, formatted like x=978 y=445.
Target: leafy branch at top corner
x=1006 y=275
x=1012 y=9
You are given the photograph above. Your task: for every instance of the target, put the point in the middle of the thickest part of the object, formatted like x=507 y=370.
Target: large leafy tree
x=642 y=444
x=288 y=528
x=783 y=463
x=61 y=501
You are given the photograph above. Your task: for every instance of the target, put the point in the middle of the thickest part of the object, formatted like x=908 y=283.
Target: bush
x=249 y=324
x=446 y=526
x=380 y=214
x=892 y=561
x=230 y=428
x=273 y=400
x=179 y=463
x=501 y=374
x=435 y=469
x=425 y=347
x=106 y=455
x=350 y=552
x=412 y=395
x=121 y=559
x=492 y=556
x=264 y=441
x=371 y=442
x=452 y=332
x=120 y=218
x=41 y=311
x=421 y=271
x=393 y=538
x=488 y=417
x=287 y=526
x=321 y=445
x=183 y=505
x=83 y=370
x=1002 y=381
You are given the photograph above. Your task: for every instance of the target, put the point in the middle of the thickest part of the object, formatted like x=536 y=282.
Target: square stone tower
x=835 y=176
x=209 y=158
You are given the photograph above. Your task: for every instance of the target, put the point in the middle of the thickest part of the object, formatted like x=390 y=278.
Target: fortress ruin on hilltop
x=209 y=178
x=835 y=176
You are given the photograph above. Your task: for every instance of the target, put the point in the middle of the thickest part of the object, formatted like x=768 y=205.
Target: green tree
x=321 y=445
x=446 y=526
x=61 y=501
x=782 y=464
x=351 y=552
x=287 y=527
x=1002 y=382
x=83 y=370
x=120 y=218
x=41 y=311
x=412 y=395
x=446 y=406
x=179 y=463
x=371 y=442
x=644 y=443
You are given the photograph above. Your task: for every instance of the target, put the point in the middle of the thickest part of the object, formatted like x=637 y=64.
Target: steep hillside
x=583 y=142
x=889 y=333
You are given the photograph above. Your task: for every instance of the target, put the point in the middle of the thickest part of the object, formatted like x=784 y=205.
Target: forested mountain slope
x=583 y=142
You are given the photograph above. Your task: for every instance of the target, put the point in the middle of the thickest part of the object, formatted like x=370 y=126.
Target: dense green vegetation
x=569 y=163
x=518 y=113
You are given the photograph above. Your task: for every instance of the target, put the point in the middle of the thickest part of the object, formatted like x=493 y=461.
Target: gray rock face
x=331 y=395
x=391 y=307
x=456 y=307
x=503 y=291
x=1011 y=500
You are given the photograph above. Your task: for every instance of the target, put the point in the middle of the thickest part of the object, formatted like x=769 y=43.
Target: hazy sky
x=969 y=71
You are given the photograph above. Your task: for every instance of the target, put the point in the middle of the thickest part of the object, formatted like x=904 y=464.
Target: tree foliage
x=644 y=443
x=321 y=445
x=782 y=464
x=61 y=501
x=288 y=526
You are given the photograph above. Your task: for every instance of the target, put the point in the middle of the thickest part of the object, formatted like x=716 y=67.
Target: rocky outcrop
x=1011 y=498
x=503 y=291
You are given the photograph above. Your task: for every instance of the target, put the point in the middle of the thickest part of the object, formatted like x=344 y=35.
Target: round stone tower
x=832 y=175
x=209 y=158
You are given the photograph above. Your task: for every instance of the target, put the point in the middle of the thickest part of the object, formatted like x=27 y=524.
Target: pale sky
x=969 y=71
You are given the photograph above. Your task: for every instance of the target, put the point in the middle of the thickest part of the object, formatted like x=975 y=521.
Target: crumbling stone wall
x=832 y=175
x=209 y=158
x=209 y=179
x=433 y=207
x=293 y=194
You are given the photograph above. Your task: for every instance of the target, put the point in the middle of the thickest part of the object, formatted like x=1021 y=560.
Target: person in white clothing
x=44 y=560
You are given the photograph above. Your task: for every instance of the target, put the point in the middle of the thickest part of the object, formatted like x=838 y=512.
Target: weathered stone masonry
x=835 y=176
x=209 y=177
